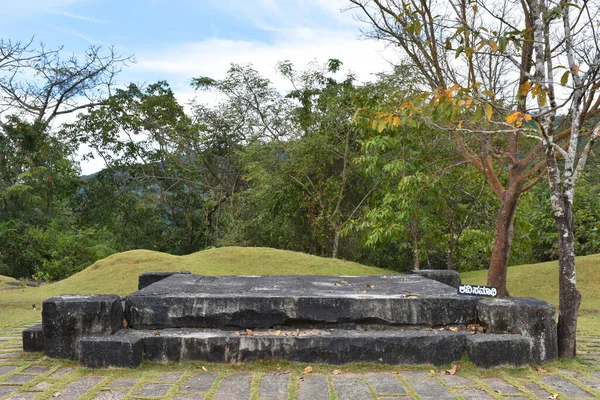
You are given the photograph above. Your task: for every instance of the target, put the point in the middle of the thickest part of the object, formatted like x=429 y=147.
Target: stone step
x=192 y=301
x=391 y=346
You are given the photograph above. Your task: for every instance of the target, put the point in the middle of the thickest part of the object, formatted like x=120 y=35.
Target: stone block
x=123 y=349
x=492 y=350
x=446 y=276
x=67 y=318
x=33 y=339
x=149 y=277
x=532 y=318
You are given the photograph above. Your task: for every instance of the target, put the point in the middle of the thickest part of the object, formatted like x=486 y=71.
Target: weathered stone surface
x=43 y=386
x=455 y=380
x=23 y=396
x=150 y=277
x=152 y=390
x=530 y=317
x=199 y=383
x=19 y=379
x=69 y=317
x=491 y=350
x=445 y=276
x=36 y=369
x=565 y=387
x=474 y=394
x=234 y=388
x=5 y=369
x=123 y=349
x=6 y=390
x=274 y=387
x=313 y=388
x=385 y=383
x=61 y=372
x=169 y=377
x=264 y=302
x=537 y=390
x=431 y=390
x=122 y=383
x=351 y=387
x=500 y=386
x=111 y=395
x=335 y=347
x=33 y=339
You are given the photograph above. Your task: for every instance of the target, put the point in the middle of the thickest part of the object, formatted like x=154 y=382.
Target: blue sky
x=176 y=40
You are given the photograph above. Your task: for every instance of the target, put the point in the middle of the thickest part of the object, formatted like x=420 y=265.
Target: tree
x=503 y=110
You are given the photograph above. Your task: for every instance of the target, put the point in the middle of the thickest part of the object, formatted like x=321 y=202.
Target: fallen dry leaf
x=204 y=369
x=452 y=371
x=57 y=394
x=431 y=371
x=237 y=334
x=369 y=286
x=553 y=396
x=336 y=371
x=156 y=333
x=454 y=329
x=278 y=367
x=542 y=370
x=249 y=332
x=344 y=282
x=125 y=324
x=363 y=291
x=307 y=370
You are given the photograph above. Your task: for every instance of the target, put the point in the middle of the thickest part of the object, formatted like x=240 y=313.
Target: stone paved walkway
x=30 y=377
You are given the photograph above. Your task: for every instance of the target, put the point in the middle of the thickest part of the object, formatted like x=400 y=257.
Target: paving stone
x=537 y=390
x=415 y=375
x=6 y=390
x=474 y=394
x=111 y=395
x=153 y=390
x=76 y=388
x=5 y=369
x=43 y=386
x=455 y=380
x=500 y=386
x=200 y=383
x=570 y=373
x=595 y=374
x=188 y=397
x=122 y=383
x=590 y=383
x=36 y=369
x=19 y=379
x=274 y=387
x=234 y=388
x=23 y=396
x=61 y=372
x=385 y=383
x=313 y=388
x=169 y=377
x=351 y=387
x=567 y=388
x=431 y=390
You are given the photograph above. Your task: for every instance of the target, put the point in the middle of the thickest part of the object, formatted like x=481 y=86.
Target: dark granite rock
x=149 y=277
x=445 y=276
x=69 y=317
x=492 y=350
x=334 y=347
x=123 y=349
x=532 y=318
x=33 y=338
x=190 y=301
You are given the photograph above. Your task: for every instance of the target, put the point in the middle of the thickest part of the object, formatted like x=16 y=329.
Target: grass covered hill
x=119 y=273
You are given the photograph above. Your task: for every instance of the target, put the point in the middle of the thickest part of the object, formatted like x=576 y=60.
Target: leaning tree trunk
x=570 y=298
x=503 y=240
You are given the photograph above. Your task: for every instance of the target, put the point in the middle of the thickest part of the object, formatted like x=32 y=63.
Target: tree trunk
x=503 y=240
x=570 y=298
x=414 y=231
x=336 y=241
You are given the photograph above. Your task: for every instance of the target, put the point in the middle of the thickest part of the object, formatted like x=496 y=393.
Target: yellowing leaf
x=527 y=117
x=396 y=121
x=576 y=69
x=307 y=370
x=336 y=371
x=460 y=123
x=512 y=118
x=204 y=369
x=381 y=125
x=468 y=103
x=525 y=88
x=452 y=371
x=489 y=111
x=564 y=79
x=494 y=46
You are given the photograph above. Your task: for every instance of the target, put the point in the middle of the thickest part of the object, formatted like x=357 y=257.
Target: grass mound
x=119 y=273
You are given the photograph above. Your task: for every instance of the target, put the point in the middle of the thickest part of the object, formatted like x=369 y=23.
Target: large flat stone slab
x=328 y=346
x=192 y=301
